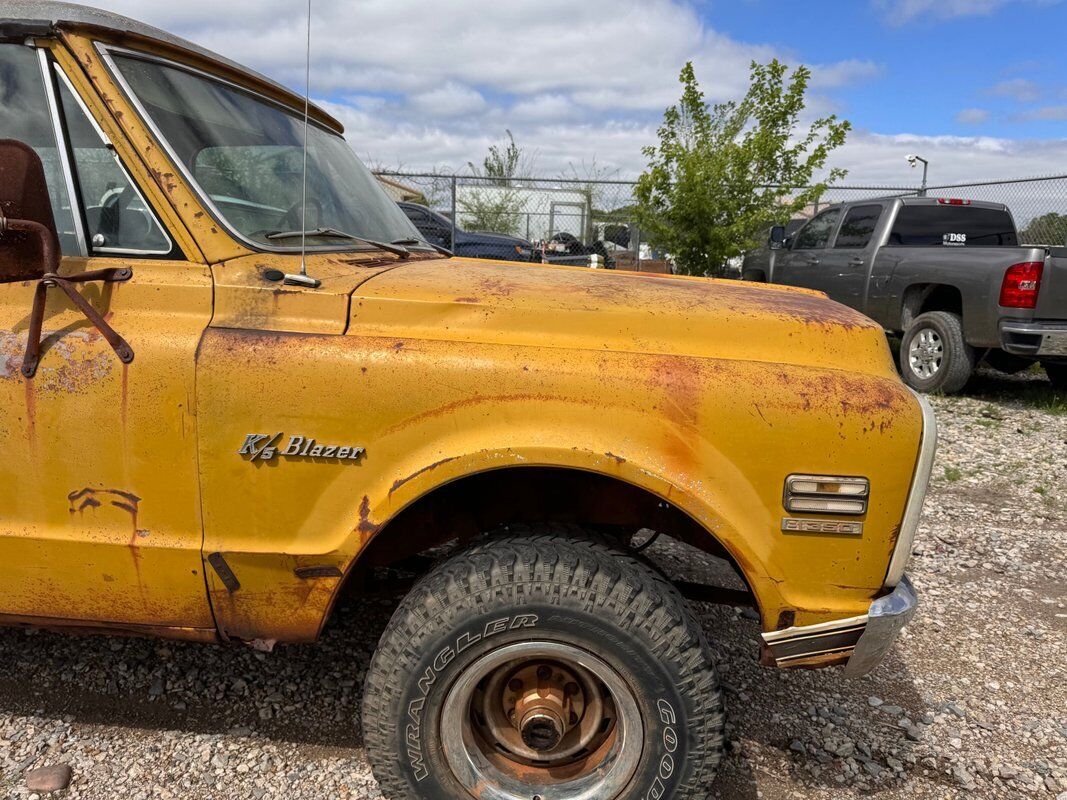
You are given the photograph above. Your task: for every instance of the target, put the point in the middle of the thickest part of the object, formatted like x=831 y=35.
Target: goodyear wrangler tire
x=543 y=665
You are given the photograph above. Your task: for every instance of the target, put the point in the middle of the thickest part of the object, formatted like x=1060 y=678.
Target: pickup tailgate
x=1052 y=299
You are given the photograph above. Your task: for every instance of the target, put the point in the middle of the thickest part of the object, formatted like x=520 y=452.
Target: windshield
x=245 y=154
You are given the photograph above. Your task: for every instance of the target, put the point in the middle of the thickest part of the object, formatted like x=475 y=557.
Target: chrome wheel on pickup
x=934 y=357
x=545 y=664
x=925 y=353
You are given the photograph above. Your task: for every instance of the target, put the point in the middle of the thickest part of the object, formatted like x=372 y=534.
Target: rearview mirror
x=29 y=244
x=777 y=238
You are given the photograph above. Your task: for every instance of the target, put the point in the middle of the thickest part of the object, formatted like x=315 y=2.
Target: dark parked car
x=437 y=229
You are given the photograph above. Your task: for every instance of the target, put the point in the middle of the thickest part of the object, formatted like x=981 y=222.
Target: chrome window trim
x=917 y=494
x=60 y=134
x=105 y=52
x=133 y=184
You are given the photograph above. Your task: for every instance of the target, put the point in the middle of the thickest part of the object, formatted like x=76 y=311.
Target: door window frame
x=831 y=236
x=70 y=167
x=51 y=73
x=844 y=217
x=65 y=154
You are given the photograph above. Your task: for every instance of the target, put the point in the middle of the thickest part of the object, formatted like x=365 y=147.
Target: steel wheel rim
x=483 y=767
x=926 y=352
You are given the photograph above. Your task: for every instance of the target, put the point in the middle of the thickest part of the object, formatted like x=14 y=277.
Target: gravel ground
x=971 y=703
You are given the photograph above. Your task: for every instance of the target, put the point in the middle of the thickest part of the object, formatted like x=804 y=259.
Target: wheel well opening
x=463 y=509
x=921 y=298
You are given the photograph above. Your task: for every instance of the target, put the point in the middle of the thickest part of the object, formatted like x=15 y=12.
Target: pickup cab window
x=858 y=227
x=955 y=225
x=816 y=234
x=244 y=154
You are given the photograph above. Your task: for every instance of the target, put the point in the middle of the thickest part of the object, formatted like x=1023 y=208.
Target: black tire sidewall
x=957 y=363
x=663 y=708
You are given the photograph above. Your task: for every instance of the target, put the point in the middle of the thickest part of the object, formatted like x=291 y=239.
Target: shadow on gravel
x=305 y=694
x=1030 y=389
x=819 y=722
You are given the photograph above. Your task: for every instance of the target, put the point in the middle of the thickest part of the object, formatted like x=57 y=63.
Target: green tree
x=498 y=206
x=722 y=175
x=504 y=162
x=1049 y=228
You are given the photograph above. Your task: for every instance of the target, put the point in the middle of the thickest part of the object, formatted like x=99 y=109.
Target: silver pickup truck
x=948 y=275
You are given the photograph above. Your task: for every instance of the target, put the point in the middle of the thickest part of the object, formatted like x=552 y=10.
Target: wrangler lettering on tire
x=546 y=663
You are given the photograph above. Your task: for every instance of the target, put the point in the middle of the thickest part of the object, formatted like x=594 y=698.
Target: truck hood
x=474 y=300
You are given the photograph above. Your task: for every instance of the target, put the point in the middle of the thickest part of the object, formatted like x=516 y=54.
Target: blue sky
x=1001 y=59
x=977 y=86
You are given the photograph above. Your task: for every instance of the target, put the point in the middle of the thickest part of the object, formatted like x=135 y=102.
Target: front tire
x=538 y=664
x=934 y=357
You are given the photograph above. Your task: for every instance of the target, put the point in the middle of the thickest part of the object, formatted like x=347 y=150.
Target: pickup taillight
x=1021 y=284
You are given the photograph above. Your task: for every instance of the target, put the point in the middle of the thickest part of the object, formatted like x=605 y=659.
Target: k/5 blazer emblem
x=265 y=447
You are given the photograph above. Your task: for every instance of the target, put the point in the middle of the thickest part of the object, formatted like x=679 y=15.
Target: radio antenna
x=303 y=279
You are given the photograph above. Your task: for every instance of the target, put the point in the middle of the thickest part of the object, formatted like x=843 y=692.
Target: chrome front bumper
x=885 y=620
x=859 y=642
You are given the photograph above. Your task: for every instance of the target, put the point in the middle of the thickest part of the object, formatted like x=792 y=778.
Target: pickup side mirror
x=29 y=243
x=29 y=250
x=777 y=237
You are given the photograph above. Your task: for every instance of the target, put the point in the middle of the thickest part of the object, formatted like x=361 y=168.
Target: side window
x=816 y=234
x=25 y=115
x=117 y=217
x=858 y=227
x=417 y=216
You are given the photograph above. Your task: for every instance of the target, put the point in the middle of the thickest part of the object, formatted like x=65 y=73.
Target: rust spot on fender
x=365 y=527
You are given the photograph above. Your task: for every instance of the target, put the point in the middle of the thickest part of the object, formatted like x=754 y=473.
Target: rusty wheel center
x=543 y=714
x=543 y=702
x=546 y=722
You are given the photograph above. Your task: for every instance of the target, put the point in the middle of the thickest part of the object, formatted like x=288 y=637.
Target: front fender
x=715 y=438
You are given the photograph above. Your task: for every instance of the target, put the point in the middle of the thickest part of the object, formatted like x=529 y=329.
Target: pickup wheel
x=1057 y=373
x=933 y=354
x=542 y=665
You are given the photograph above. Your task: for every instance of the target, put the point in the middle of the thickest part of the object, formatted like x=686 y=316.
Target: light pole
x=912 y=159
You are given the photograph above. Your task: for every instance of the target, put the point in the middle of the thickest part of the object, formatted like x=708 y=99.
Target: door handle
x=813 y=262
x=856 y=262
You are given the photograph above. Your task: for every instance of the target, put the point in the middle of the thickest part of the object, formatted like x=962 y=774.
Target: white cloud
x=450 y=100
x=972 y=116
x=901 y=12
x=1047 y=113
x=544 y=107
x=844 y=73
x=1019 y=89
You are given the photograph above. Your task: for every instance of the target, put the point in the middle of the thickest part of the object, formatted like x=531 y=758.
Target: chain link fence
x=570 y=220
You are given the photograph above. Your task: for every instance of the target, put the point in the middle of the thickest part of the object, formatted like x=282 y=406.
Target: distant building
x=400 y=192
